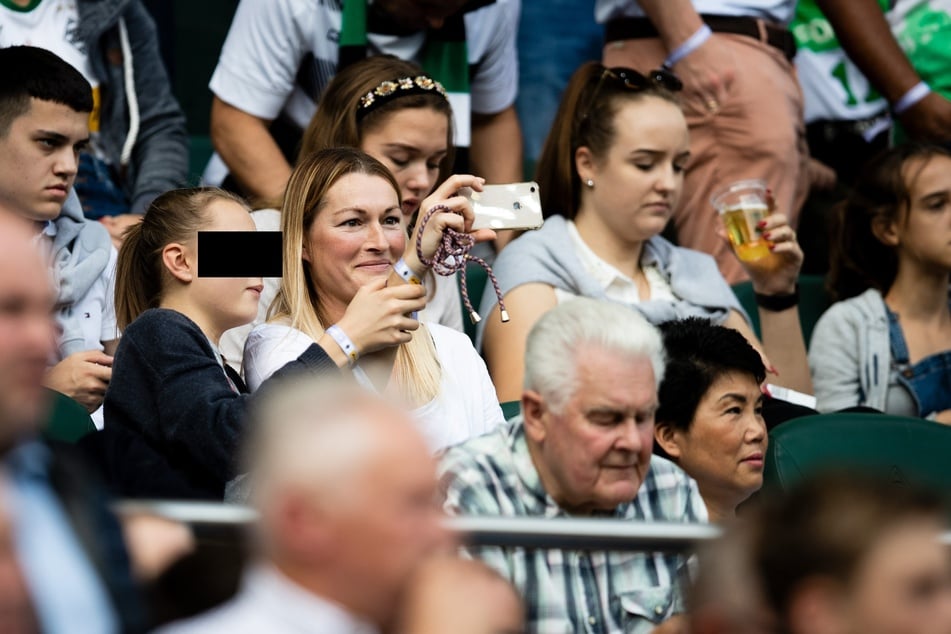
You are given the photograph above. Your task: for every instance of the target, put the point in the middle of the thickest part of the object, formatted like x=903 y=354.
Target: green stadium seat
x=904 y=450
x=511 y=409
x=67 y=420
x=813 y=301
x=200 y=150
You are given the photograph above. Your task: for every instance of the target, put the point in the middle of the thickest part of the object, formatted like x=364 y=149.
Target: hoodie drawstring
x=129 y=75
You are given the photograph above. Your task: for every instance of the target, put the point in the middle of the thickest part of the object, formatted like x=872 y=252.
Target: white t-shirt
x=269 y=39
x=617 y=286
x=833 y=87
x=268 y=601
x=779 y=11
x=443 y=307
x=467 y=405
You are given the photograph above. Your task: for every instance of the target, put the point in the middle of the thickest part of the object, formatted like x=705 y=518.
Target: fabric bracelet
x=777 y=303
x=915 y=94
x=692 y=43
x=402 y=269
x=348 y=347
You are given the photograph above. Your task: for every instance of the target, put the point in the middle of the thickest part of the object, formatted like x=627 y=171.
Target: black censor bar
x=240 y=254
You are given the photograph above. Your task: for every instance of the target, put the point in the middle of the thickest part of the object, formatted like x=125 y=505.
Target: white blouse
x=617 y=286
x=466 y=406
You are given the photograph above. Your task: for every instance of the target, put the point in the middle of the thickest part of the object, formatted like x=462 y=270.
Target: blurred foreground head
x=346 y=489
x=726 y=597
x=27 y=329
x=848 y=554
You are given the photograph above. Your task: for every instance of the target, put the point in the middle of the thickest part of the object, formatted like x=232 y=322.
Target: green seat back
x=67 y=421
x=476 y=279
x=200 y=150
x=511 y=409
x=813 y=301
x=900 y=449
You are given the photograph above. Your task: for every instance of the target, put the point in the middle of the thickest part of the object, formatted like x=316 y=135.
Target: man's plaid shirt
x=571 y=591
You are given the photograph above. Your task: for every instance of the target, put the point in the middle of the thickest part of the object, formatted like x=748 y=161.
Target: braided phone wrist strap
x=451 y=256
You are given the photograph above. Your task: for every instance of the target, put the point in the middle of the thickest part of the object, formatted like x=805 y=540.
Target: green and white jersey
x=923 y=29
x=833 y=87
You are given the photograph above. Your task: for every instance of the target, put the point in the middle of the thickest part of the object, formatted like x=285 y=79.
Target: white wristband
x=692 y=43
x=915 y=94
x=348 y=347
x=402 y=269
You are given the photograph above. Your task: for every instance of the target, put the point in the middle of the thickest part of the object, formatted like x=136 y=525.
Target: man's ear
x=533 y=415
x=886 y=232
x=668 y=438
x=301 y=523
x=179 y=262
x=584 y=163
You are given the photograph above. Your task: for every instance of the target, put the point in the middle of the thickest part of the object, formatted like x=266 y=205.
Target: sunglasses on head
x=633 y=80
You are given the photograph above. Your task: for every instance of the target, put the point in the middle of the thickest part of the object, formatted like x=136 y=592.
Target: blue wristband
x=348 y=347
x=692 y=43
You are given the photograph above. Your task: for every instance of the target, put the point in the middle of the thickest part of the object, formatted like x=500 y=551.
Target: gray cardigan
x=850 y=354
x=548 y=256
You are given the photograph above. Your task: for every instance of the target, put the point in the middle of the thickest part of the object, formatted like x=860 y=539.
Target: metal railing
x=523 y=532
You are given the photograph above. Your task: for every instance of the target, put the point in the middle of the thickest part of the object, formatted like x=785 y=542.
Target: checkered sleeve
x=466 y=485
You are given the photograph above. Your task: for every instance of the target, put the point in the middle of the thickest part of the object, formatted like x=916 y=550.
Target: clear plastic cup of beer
x=742 y=205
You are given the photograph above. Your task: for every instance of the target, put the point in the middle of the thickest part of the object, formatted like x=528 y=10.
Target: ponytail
x=138 y=284
x=175 y=216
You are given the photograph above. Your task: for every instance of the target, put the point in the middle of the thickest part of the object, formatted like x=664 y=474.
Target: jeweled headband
x=402 y=87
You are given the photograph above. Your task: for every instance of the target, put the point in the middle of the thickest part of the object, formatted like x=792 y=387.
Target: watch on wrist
x=778 y=303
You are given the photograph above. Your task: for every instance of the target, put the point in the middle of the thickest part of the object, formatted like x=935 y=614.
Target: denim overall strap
x=929 y=380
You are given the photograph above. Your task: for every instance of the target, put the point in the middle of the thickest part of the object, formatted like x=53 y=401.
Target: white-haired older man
x=346 y=492
x=582 y=447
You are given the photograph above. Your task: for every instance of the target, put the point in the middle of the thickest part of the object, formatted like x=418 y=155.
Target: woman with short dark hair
x=710 y=420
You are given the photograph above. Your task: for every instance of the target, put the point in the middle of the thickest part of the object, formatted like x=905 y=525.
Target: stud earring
x=589 y=183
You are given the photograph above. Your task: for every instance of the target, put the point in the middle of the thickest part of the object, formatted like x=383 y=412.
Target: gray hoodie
x=850 y=355
x=142 y=127
x=81 y=252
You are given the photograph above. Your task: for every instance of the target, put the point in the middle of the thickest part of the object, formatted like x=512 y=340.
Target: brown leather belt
x=642 y=28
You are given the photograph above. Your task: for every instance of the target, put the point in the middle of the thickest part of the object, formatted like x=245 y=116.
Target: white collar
x=604 y=273
x=265 y=585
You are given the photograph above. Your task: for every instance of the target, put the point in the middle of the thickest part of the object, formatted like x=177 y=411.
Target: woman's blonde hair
x=417 y=370
x=175 y=216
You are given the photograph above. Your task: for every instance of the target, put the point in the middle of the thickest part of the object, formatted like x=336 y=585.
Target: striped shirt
x=571 y=591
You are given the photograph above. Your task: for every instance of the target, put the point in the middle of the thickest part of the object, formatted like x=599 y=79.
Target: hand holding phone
x=509 y=206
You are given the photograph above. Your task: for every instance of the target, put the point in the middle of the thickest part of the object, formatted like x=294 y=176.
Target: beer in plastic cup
x=742 y=206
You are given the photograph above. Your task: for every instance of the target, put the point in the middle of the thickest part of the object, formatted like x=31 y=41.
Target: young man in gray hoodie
x=139 y=144
x=44 y=113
